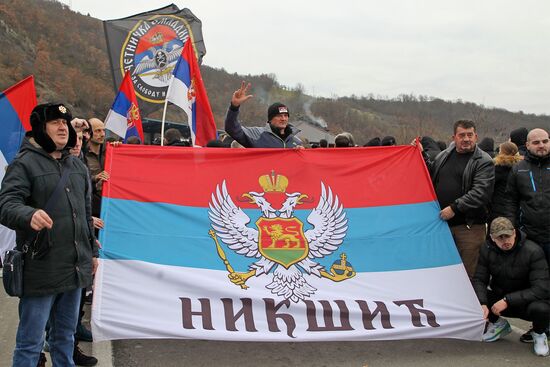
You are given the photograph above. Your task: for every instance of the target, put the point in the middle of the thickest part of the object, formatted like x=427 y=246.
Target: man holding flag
x=187 y=91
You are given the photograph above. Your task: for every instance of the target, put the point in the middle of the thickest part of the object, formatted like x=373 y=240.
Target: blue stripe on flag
x=391 y=238
x=12 y=129
x=183 y=71
x=122 y=104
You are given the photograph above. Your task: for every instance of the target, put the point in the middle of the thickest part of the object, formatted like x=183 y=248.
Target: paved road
x=452 y=353
x=198 y=353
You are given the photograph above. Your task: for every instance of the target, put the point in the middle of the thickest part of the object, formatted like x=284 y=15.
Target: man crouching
x=515 y=270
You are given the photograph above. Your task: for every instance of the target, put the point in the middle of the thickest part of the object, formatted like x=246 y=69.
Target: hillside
x=66 y=52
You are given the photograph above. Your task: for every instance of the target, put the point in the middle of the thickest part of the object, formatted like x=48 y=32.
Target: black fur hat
x=43 y=113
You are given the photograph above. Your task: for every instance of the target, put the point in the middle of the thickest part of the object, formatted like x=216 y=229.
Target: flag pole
x=163 y=119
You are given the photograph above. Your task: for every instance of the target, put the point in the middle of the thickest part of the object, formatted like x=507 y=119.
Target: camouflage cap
x=501 y=226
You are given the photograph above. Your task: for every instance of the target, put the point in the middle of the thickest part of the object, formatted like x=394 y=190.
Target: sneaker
x=42 y=360
x=528 y=337
x=81 y=359
x=541 y=344
x=497 y=330
x=83 y=334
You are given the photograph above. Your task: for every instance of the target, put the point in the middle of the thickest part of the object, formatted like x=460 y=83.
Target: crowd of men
x=497 y=209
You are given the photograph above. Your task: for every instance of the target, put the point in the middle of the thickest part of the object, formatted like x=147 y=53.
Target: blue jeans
x=34 y=312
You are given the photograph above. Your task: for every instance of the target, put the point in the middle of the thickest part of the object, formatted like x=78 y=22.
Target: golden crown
x=273 y=183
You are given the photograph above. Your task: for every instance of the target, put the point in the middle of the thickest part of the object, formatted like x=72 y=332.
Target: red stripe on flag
x=187 y=176
x=22 y=97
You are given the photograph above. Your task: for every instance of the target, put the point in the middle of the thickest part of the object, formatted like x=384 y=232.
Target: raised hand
x=240 y=95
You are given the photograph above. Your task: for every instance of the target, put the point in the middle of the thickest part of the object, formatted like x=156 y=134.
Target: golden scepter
x=222 y=256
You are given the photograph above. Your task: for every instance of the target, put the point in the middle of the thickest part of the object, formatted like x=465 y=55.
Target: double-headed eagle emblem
x=279 y=244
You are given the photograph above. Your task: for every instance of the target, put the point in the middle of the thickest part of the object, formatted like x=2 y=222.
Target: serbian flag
x=277 y=245
x=124 y=118
x=187 y=91
x=16 y=104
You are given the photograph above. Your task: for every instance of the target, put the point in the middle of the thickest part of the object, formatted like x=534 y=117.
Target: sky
x=490 y=52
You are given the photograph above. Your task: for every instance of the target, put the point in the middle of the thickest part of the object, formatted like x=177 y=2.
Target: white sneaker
x=541 y=344
x=497 y=330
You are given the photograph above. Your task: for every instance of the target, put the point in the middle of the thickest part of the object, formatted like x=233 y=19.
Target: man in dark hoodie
x=277 y=132
x=512 y=280
x=63 y=254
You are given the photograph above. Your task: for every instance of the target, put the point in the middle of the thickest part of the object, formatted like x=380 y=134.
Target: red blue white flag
x=277 y=245
x=16 y=104
x=187 y=91
x=124 y=117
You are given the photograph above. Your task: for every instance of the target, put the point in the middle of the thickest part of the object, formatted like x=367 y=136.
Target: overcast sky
x=490 y=52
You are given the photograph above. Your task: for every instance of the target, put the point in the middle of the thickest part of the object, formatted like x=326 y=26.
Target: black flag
x=149 y=45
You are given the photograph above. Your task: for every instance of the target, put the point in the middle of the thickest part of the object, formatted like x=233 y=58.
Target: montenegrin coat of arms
x=279 y=245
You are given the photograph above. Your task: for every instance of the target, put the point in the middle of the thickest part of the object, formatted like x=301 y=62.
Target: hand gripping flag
x=16 y=104
x=187 y=91
x=124 y=118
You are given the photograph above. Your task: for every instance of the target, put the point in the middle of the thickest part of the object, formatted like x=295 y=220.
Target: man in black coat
x=64 y=254
x=512 y=280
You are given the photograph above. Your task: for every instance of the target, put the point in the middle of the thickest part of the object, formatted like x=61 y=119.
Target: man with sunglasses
x=528 y=189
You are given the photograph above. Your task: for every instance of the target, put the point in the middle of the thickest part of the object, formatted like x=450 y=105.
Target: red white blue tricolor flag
x=124 y=118
x=277 y=245
x=187 y=91
x=16 y=104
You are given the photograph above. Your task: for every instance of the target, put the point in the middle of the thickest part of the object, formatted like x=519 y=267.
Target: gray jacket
x=258 y=137
x=478 y=183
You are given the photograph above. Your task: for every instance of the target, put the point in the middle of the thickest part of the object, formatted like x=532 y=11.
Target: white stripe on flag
x=177 y=94
x=122 y=310
x=116 y=123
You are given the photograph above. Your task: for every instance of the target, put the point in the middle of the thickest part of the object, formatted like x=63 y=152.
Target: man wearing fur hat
x=277 y=132
x=63 y=252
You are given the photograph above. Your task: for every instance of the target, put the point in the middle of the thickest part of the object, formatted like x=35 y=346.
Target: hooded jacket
x=477 y=183
x=258 y=137
x=503 y=166
x=27 y=186
x=528 y=188
x=520 y=274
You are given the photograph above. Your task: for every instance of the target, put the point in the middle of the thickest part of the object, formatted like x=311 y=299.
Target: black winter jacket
x=477 y=183
x=28 y=184
x=528 y=189
x=520 y=274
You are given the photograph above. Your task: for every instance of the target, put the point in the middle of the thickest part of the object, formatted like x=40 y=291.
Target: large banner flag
x=187 y=91
x=124 y=117
x=16 y=104
x=148 y=45
x=277 y=245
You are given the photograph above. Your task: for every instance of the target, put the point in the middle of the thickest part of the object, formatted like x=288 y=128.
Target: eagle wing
x=329 y=225
x=146 y=64
x=229 y=222
x=173 y=55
